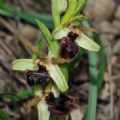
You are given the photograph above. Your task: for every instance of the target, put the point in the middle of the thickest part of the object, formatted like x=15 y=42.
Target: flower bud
x=62 y=5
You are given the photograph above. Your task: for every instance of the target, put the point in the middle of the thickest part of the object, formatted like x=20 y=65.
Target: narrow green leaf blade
x=38 y=47
x=24 y=64
x=80 y=5
x=27 y=16
x=52 y=45
x=87 y=43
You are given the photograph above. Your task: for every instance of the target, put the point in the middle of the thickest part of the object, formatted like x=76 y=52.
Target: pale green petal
x=24 y=64
x=58 y=77
x=86 y=43
x=43 y=113
x=60 y=33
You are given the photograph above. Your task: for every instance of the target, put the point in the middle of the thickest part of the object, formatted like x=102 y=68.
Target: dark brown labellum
x=72 y=36
x=68 y=47
x=37 y=77
x=60 y=105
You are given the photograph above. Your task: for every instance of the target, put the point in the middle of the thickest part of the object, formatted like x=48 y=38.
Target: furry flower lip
x=37 y=77
x=68 y=47
x=60 y=105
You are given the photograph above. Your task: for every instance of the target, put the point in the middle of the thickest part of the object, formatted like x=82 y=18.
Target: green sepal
x=87 y=43
x=60 y=32
x=24 y=64
x=58 y=77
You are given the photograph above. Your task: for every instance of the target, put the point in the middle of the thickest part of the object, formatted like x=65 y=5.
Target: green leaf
x=58 y=77
x=52 y=45
x=4 y=116
x=87 y=43
x=70 y=11
x=24 y=64
x=80 y=5
x=25 y=93
x=38 y=48
x=29 y=17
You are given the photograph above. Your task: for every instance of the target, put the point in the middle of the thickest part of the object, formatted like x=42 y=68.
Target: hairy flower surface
x=68 y=47
x=37 y=77
x=59 y=105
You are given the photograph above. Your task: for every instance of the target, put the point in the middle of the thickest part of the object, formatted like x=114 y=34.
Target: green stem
x=93 y=88
x=101 y=63
x=93 y=84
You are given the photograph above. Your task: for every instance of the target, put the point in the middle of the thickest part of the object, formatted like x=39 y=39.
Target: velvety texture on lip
x=60 y=105
x=68 y=47
x=37 y=77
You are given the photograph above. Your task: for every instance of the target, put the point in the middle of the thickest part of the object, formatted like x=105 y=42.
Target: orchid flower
x=62 y=44
x=72 y=37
